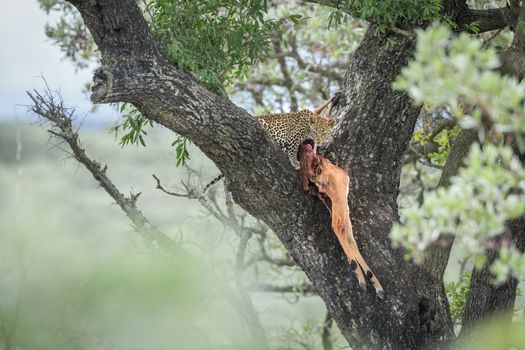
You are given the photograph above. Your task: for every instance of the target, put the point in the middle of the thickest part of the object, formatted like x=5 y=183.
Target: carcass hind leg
x=362 y=263
x=343 y=230
x=352 y=258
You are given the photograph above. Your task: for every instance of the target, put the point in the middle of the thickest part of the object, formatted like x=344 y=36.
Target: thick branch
x=121 y=35
x=513 y=59
x=486 y=20
x=375 y=125
x=461 y=14
x=487 y=300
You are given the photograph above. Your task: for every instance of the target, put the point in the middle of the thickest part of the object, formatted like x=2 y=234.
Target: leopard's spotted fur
x=290 y=129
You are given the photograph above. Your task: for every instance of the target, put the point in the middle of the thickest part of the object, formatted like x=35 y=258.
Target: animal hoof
x=353 y=265
x=380 y=293
x=362 y=285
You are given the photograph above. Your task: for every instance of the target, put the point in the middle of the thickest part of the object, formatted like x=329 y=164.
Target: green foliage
x=474 y=207
x=457 y=296
x=336 y=18
x=216 y=40
x=387 y=13
x=443 y=139
x=109 y=297
x=181 y=147
x=69 y=33
x=510 y=263
x=132 y=124
x=456 y=72
x=473 y=27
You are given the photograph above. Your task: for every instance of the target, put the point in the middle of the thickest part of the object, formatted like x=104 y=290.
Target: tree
x=375 y=124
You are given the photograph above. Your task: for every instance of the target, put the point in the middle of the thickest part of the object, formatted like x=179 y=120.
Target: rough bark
x=375 y=124
x=486 y=20
x=459 y=12
x=513 y=59
x=486 y=300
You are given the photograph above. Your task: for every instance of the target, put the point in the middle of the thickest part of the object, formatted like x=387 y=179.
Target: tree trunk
x=486 y=300
x=375 y=124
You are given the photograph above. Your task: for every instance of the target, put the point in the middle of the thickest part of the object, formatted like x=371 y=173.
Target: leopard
x=290 y=129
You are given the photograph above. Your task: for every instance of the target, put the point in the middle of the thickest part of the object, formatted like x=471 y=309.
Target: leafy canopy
x=457 y=73
x=215 y=40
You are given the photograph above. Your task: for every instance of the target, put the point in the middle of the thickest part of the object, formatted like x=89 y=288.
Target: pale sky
x=26 y=54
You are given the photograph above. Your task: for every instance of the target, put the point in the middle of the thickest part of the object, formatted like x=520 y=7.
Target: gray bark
x=375 y=124
x=486 y=300
x=513 y=59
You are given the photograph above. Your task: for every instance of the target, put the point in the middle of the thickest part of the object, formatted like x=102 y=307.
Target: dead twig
x=50 y=107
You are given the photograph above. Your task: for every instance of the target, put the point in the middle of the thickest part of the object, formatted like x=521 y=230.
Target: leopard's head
x=321 y=128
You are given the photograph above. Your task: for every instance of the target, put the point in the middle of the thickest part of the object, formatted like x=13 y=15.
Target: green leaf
x=181 y=150
x=132 y=125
